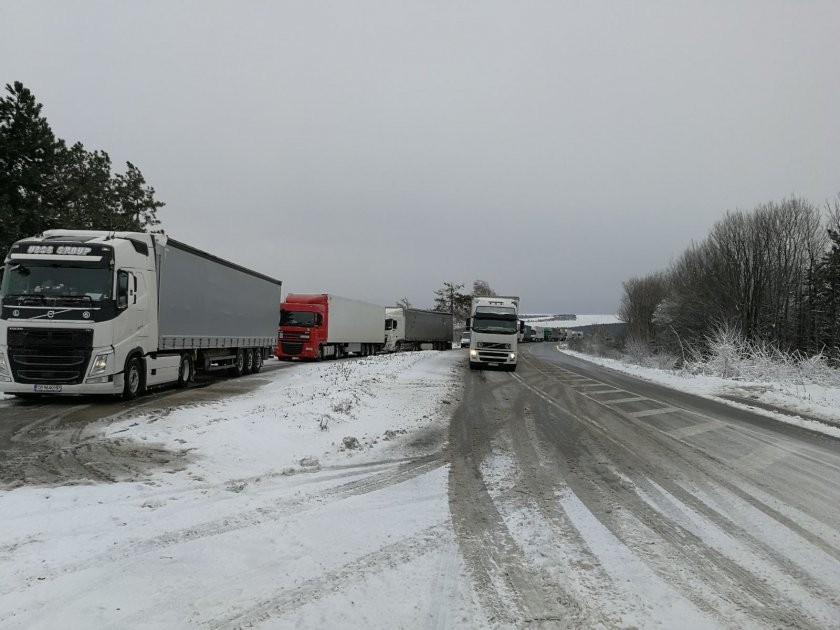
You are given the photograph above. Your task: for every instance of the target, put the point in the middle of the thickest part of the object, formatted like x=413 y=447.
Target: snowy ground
x=801 y=403
x=318 y=500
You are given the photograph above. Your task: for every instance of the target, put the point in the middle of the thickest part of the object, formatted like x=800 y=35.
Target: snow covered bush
x=728 y=355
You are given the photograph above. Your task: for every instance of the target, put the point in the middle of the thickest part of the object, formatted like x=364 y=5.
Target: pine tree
x=46 y=184
x=28 y=160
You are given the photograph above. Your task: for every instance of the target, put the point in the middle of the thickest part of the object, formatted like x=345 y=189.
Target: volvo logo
x=86 y=314
x=50 y=314
x=15 y=313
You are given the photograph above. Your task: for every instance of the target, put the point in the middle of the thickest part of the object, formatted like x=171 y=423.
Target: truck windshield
x=493 y=325
x=297 y=318
x=52 y=282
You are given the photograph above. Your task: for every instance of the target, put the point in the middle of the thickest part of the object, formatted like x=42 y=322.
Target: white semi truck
x=94 y=312
x=410 y=328
x=494 y=329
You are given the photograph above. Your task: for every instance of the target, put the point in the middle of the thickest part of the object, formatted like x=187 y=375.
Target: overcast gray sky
x=376 y=149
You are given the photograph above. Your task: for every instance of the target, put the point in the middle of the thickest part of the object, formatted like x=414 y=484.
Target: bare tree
x=639 y=303
x=482 y=289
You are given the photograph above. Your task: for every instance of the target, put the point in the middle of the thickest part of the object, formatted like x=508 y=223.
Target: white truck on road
x=494 y=330
x=410 y=328
x=94 y=312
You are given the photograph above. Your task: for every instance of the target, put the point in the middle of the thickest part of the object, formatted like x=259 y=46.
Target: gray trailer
x=208 y=302
x=95 y=312
x=410 y=328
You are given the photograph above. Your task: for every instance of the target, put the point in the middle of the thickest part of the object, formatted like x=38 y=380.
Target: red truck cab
x=303 y=327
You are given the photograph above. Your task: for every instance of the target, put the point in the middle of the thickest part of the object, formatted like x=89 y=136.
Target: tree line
x=450 y=298
x=771 y=274
x=47 y=183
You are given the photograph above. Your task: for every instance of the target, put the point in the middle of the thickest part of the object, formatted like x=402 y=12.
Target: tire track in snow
x=288 y=600
x=274 y=511
x=593 y=479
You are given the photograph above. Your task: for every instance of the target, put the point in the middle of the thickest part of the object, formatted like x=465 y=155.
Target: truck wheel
x=248 y=366
x=258 y=361
x=185 y=371
x=238 y=368
x=320 y=356
x=133 y=386
x=474 y=366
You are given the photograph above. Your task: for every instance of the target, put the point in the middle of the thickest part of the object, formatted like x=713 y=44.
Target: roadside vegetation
x=758 y=299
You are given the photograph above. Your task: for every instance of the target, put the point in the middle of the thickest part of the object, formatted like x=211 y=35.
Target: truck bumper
x=114 y=387
x=306 y=351
x=492 y=357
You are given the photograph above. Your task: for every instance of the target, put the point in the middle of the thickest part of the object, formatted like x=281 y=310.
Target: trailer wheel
x=248 y=365
x=258 y=361
x=238 y=368
x=133 y=386
x=185 y=371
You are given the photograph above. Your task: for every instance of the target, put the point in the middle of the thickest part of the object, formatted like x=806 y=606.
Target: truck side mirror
x=319 y=319
x=522 y=327
x=468 y=323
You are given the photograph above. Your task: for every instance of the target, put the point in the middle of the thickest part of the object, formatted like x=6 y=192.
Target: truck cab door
x=130 y=319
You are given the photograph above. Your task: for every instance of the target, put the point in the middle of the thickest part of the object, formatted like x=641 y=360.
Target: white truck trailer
x=321 y=325
x=494 y=329
x=410 y=328
x=94 y=312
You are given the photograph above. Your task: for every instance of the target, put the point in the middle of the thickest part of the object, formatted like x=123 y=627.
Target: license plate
x=48 y=389
x=493 y=364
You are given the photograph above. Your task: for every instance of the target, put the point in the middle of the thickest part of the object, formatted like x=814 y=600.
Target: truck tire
x=238 y=368
x=248 y=365
x=258 y=361
x=474 y=366
x=133 y=386
x=186 y=373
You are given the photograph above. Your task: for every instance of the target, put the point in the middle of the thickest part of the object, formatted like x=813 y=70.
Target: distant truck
x=494 y=330
x=318 y=326
x=409 y=328
x=94 y=312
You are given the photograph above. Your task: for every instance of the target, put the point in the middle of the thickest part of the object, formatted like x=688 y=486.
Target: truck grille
x=492 y=356
x=291 y=347
x=49 y=355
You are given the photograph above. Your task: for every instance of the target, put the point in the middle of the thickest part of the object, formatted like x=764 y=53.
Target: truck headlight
x=4 y=368
x=512 y=356
x=100 y=363
x=473 y=353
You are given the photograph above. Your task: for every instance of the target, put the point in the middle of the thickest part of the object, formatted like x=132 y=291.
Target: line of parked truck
x=95 y=312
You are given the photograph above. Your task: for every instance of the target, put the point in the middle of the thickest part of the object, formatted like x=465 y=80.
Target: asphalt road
x=583 y=497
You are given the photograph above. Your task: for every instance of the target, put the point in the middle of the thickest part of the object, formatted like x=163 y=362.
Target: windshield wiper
x=22 y=297
x=75 y=298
